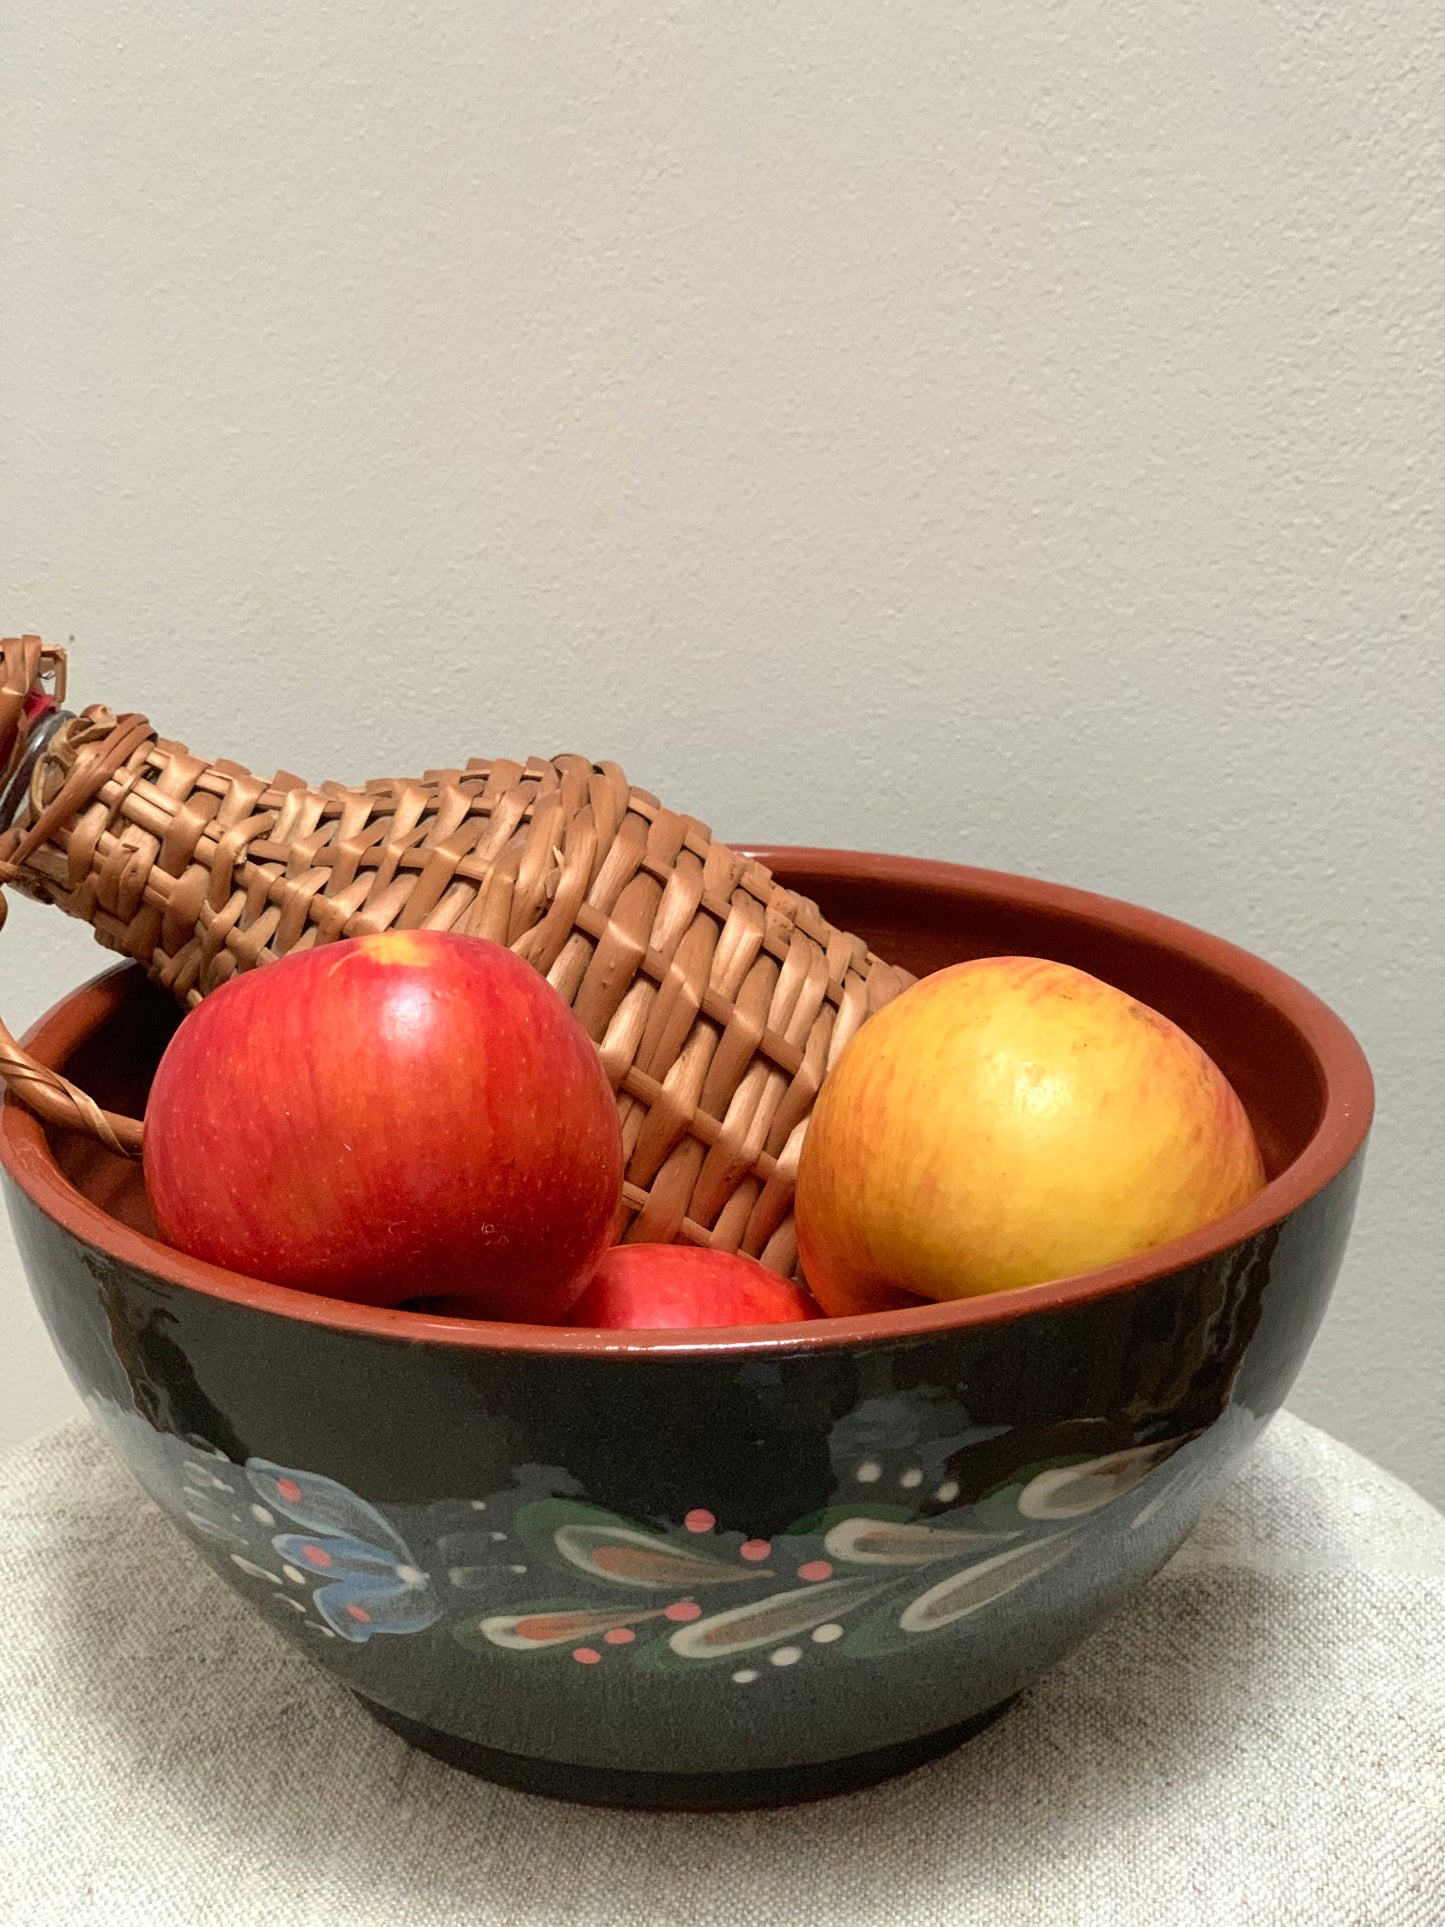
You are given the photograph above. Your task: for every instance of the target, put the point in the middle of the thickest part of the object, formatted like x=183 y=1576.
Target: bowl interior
x=1238 y=1008
x=1260 y=1028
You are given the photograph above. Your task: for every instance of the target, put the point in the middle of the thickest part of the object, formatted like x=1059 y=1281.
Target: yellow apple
x=1008 y=1121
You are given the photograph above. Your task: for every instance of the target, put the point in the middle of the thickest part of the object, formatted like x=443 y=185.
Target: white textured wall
x=988 y=431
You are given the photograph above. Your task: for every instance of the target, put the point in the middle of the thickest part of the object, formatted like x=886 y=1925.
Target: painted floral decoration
x=846 y=1579
x=347 y=1564
x=537 y=1570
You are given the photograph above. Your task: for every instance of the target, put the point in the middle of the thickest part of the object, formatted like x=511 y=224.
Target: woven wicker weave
x=717 y=998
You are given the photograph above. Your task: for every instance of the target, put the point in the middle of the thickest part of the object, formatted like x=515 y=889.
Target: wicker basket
x=717 y=998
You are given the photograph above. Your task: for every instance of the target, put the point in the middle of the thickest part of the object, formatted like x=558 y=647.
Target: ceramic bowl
x=724 y=1567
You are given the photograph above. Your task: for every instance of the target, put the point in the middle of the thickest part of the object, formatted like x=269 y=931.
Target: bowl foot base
x=685 y=1792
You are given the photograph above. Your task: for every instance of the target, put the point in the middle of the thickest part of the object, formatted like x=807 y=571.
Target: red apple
x=663 y=1287
x=393 y=1116
x=1008 y=1121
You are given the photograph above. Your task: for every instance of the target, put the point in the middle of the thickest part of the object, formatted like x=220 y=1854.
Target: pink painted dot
x=620 y=1636
x=359 y=1614
x=288 y=1489
x=755 y=1549
x=682 y=1609
x=816 y=1569
x=586 y=1655
x=699 y=1520
x=316 y=1555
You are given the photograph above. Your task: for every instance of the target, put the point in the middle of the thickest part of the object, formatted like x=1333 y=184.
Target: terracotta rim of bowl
x=1344 y=1074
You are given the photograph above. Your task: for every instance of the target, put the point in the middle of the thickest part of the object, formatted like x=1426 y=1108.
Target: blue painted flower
x=367 y=1580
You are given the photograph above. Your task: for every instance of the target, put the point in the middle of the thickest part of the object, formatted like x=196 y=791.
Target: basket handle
x=55 y=1099
x=105 y=743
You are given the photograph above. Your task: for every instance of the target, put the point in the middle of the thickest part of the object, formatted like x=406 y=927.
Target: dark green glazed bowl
x=726 y=1567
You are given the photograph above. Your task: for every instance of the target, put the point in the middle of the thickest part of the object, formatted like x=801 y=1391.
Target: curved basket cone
x=717 y=998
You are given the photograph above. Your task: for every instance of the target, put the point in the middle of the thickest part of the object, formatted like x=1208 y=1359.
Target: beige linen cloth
x=1258 y=1739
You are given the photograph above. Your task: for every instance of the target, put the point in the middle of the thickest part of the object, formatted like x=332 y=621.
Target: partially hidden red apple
x=646 y=1287
x=409 y=1114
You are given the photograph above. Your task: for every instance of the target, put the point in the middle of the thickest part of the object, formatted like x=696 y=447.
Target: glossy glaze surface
x=714 y=1555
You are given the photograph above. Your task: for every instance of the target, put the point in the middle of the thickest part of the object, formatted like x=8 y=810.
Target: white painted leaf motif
x=886 y=1542
x=526 y=1632
x=978 y=1585
x=768 y=1620
x=1069 y=1491
x=214 y=1524
x=255 y=1571
x=629 y=1558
